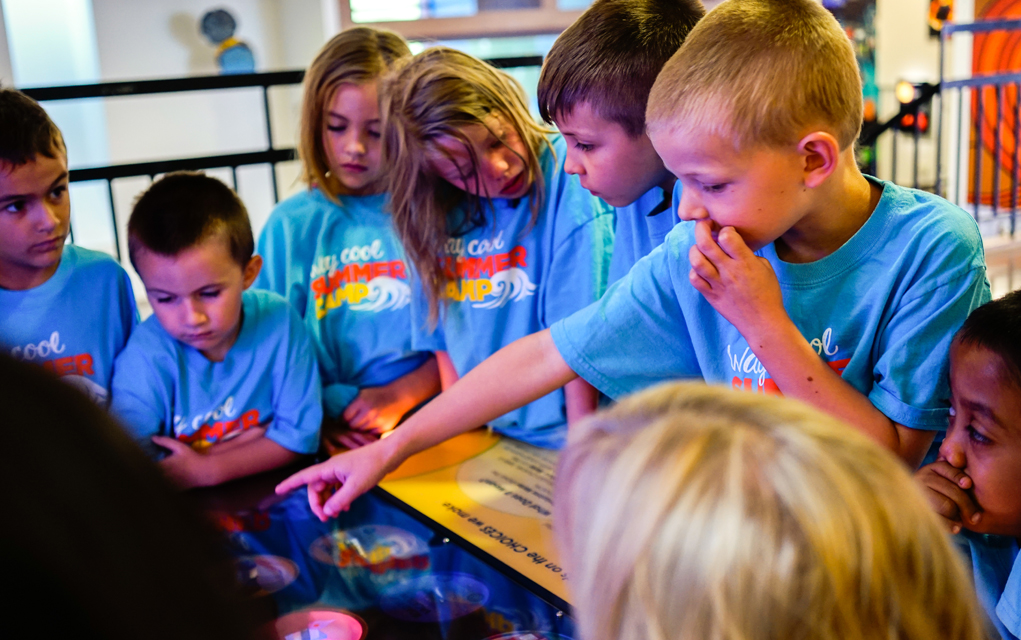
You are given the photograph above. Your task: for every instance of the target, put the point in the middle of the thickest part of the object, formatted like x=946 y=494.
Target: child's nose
x=690 y=208
x=355 y=145
x=952 y=450
x=571 y=166
x=48 y=217
x=194 y=314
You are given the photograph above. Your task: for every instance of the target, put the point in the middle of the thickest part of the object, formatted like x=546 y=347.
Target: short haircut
x=692 y=511
x=353 y=57
x=761 y=72
x=181 y=210
x=26 y=130
x=611 y=56
x=996 y=326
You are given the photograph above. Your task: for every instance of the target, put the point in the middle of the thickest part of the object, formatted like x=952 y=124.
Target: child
x=689 y=511
x=976 y=483
x=595 y=83
x=792 y=272
x=66 y=308
x=224 y=378
x=332 y=250
x=500 y=237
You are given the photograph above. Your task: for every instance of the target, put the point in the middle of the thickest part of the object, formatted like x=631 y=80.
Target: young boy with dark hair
x=975 y=485
x=791 y=272
x=66 y=308
x=223 y=377
x=594 y=86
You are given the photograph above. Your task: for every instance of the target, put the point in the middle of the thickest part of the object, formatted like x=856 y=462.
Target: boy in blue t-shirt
x=976 y=483
x=791 y=272
x=225 y=379
x=68 y=309
x=594 y=85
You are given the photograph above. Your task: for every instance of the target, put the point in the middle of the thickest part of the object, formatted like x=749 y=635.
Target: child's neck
x=14 y=277
x=838 y=209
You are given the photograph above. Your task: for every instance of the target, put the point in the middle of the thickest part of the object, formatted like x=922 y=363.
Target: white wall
x=6 y=73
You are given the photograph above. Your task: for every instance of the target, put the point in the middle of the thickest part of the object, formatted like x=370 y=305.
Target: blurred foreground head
x=694 y=512
x=94 y=544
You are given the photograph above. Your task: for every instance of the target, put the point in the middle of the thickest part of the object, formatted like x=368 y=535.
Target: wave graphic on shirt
x=385 y=293
x=510 y=285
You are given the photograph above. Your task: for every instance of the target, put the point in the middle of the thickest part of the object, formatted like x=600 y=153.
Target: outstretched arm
x=512 y=377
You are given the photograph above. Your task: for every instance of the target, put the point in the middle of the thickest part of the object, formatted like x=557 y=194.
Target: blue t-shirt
x=268 y=378
x=359 y=298
x=287 y=245
x=75 y=323
x=640 y=227
x=881 y=310
x=996 y=567
x=515 y=279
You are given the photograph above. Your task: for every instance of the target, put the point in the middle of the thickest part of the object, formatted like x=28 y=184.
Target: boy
x=66 y=308
x=792 y=272
x=223 y=378
x=594 y=86
x=976 y=483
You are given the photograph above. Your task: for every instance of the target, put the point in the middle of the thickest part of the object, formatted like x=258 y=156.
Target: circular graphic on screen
x=320 y=624
x=437 y=597
x=263 y=575
x=379 y=548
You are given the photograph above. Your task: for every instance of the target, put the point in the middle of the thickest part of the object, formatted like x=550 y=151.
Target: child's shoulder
x=271 y=313
x=92 y=263
x=303 y=210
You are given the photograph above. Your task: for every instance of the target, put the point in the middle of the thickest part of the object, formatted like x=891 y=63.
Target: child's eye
x=336 y=128
x=17 y=206
x=374 y=134
x=714 y=188
x=210 y=294
x=585 y=148
x=164 y=299
x=977 y=436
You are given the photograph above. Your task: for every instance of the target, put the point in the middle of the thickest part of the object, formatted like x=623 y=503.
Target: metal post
x=113 y=219
x=269 y=140
x=938 y=188
x=977 y=134
x=996 y=148
x=915 y=133
x=1017 y=157
x=957 y=132
x=234 y=175
x=893 y=158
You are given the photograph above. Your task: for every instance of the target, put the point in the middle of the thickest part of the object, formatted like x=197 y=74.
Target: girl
x=504 y=243
x=689 y=511
x=332 y=251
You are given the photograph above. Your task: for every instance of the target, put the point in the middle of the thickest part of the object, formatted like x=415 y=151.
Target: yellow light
x=905 y=92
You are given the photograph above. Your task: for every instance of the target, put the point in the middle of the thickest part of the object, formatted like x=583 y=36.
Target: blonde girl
x=695 y=512
x=504 y=243
x=332 y=251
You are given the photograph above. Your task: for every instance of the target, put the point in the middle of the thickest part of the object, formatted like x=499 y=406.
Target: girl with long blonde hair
x=503 y=241
x=332 y=249
x=697 y=512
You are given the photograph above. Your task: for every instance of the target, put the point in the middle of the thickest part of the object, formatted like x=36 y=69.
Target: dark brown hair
x=26 y=130
x=996 y=326
x=182 y=209
x=611 y=56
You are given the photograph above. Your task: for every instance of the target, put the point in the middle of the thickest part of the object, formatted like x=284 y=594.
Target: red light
x=923 y=122
x=908 y=120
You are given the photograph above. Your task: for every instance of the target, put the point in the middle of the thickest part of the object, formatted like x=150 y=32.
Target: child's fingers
x=341 y=500
x=731 y=242
x=700 y=284
x=946 y=497
x=353 y=410
x=315 y=503
x=951 y=473
x=319 y=472
x=706 y=243
x=175 y=445
x=702 y=265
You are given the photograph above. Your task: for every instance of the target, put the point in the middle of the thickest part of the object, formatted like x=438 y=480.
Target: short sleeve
x=579 y=268
x=634 y=336
x=138 y=398
x=912 y=373
x=298 y=409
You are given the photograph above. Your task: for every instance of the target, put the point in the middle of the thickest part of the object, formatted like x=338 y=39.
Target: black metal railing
x=271 y=155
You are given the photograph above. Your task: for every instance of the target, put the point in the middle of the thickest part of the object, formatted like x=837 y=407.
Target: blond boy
x=792 y=272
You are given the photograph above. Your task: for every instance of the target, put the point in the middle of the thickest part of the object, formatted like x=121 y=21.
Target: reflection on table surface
x=397 y=575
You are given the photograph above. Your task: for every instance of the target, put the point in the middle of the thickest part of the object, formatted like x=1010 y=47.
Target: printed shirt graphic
x=881 y=310
x=516 y=279
x=636 y=233
x=269 y=378
x=287 y=245
x=358 y=302
x=75 y=323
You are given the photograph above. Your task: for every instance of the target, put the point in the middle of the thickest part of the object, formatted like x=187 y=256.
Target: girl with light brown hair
x=332 y=250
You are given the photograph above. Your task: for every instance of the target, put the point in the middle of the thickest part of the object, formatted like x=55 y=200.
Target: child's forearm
x=448 y=374
x=519 y=373
x=581 y=399
x=245 y=459
x=800 y=373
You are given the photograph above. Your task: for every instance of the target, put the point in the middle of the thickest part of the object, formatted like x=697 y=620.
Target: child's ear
x=252 y=270
x=821 y=155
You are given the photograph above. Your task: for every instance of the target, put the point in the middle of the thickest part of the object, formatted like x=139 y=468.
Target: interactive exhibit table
x=455 y=544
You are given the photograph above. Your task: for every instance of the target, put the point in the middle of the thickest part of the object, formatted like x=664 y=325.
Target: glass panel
x=387 y=10
x=573 y=5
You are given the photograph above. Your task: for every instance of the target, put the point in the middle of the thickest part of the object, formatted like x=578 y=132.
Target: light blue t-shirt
x=515 y=279
x=287 y=245
x=640 y=227
x=881 y=310
x=359 y=298
x=75 y=323
x=268 y=378
x=996 y=567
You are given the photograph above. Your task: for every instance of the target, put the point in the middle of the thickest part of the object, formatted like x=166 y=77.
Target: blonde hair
x=696 y=512
x=759 y=72
x=356 y=56
x=437 y=93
